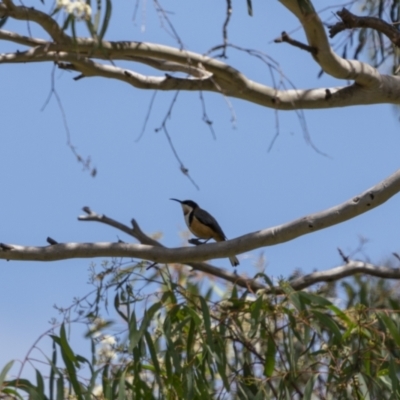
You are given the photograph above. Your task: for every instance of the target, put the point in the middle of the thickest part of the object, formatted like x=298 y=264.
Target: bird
x=203 y=225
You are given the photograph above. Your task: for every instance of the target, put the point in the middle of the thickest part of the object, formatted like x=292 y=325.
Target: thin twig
x=164 y=17
x=225 y=28
x=350 y=20
x=163 y=127
x=205 y=117
x=285 y=38
x=86 y=163
x=149 y=109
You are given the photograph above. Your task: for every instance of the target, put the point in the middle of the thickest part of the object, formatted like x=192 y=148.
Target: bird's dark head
x=187 y=205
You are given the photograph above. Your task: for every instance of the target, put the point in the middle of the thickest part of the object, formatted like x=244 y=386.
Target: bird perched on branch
x=203 y=225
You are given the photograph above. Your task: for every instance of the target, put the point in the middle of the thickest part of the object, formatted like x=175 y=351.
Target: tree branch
x=138 y=234
x=214 y=75
x=20 y=39
x=205 y=73
x=353 y=207
x=169 y=66
x=135 y=232
x=245 y=89
x=349 y=269
x=349 y=21
x=8 y=9
x=285 y=38
x=334 y=65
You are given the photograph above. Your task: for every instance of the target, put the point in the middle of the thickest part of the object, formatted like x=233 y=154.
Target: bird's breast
x=187 y=219
x=200 y=230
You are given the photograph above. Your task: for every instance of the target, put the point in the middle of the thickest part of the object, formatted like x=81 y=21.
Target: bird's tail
x=234 y=261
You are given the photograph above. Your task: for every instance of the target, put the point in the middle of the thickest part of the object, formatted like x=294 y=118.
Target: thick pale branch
x=8 y=9
x=168 y=82
x=334 y=65
x=90 y=68
x=246 y=89
x=358 y=205
x=161 y=65
x=349 y=269
x=120 y=50
x=20 y=39
x=331 y=63
x=205 y=73
x=192 y=63
x=138 y=234
x=170 y=66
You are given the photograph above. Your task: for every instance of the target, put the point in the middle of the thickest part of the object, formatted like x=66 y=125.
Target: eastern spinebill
x=203 y=225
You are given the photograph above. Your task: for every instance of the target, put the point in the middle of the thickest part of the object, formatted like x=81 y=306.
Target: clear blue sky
x=243 y=185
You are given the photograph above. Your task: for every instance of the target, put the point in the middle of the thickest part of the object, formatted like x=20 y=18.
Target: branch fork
x=151 y=250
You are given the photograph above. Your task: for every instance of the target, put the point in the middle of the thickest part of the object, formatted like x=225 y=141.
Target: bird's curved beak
x=176 y=200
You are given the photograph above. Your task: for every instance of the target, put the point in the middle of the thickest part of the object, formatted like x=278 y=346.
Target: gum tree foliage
x=255 y=339
x=192 y=342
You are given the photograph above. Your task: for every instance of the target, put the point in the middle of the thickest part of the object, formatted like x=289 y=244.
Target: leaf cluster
x=173 y=339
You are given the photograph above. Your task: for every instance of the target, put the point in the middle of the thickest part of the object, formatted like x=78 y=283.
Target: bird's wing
x=207 y=219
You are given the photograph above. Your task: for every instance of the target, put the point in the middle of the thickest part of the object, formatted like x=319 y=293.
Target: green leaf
x=222 y=365
x=391 y=326
x=60 y=388
x=190 y=340
x=362 y=388
x=67 y=22
x=386 y=381
x=52 y=370
x=22 y=384
x=136 y=335
x=106 y=19
x=270 y=357
x=308 y=390
x=260 y=394
x=96 y=21
x=121 y=391
x=291 y=353
x=256 y=309
x=383 y=372
x=70 y=361
x=393 y=375
x=207 y=322
x=313 y=298
x=329 y=323
x=234 y=294
x=13 y=394
x=249 y=8
x=73 y=29
x=65 y=347
x=265 y=277
x=339 y=313
x=4 y=372
x=350 y=292
x=189 y=388
x=116 y=306
x=168 y=367
x=3 y=21
x=39 y=384
x=249 y=379
x=105 y=380
x=295 y=299
x=195 y=317
x=154 y=359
